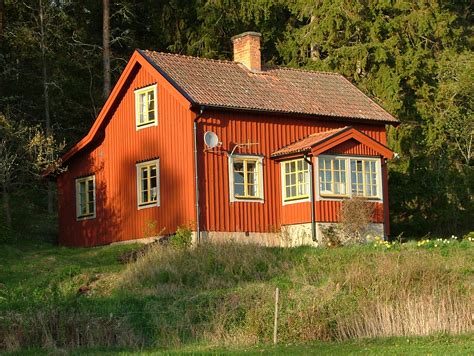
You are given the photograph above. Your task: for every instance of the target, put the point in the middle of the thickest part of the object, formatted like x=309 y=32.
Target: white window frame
x=137 y=92
x=291 y=200
x=260 y=197
x=78 y=181
x=378 y=167
x=138 y=183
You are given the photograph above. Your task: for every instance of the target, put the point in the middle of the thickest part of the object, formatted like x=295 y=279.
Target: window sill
x=85 y=217
x=246 y=200
x=334 y=196
x=345 y=197
x=296 y=200
x=144 y=126
x=149 y=205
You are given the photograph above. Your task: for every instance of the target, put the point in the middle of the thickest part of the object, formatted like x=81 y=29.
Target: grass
x=433 y=345
x=219 y=298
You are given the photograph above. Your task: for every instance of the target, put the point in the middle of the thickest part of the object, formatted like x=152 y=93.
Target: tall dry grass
x=339 y=294
x=55 y=327
x=224 y=294
x=205 y=267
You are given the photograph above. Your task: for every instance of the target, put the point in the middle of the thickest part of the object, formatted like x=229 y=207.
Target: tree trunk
x=6 y=206
x=47 y=116
x=106 y=47
x=2 y=19
x=2 y=26
x=314 y=48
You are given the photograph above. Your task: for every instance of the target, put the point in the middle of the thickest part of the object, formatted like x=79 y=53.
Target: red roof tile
x=228 y=84
x=308 y=142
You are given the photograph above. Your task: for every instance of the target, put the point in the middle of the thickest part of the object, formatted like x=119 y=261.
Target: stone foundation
x=290 y=235
x=258 y=238
x=145 y=240
x=373 y=230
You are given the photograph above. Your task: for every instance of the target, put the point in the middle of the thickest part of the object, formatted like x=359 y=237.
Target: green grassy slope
x=220 y=298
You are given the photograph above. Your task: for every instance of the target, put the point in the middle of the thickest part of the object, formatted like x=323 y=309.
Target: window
x=246 y=181
x=363 y=178
x=337 y=174
x=145 y=107
x=148 y=184
x=295 y=178
x=85 y=197
x=332 y=176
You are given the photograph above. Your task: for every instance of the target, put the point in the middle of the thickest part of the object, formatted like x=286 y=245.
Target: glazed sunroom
x=338 y=176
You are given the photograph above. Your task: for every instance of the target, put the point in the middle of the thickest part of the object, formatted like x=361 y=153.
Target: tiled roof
x=228 y=84
x=308 y=142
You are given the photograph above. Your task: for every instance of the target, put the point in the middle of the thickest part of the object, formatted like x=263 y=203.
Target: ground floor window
x=246 y=178
x=148 y=190
x=85 y=197
x=295 y=179
x=347 y=176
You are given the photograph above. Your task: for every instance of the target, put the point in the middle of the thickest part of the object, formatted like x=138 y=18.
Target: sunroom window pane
x=295 y=179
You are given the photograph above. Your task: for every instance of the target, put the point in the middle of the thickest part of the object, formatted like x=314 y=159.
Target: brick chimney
x=247 y=50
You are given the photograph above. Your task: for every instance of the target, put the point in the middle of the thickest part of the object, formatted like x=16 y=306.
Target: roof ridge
x=325 y=132
x=306 y=70
x=227 y=61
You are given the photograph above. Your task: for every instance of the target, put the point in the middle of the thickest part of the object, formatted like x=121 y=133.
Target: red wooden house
x=283 y=148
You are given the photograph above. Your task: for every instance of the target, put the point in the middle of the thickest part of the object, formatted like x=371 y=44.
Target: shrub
x=182 y=238
x=469 y=236
x=356 y=215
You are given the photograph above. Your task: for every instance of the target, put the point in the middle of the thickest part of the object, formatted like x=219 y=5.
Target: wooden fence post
x=275 y=325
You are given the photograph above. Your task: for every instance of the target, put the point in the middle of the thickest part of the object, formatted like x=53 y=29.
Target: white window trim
x=138 y=182
x=283 y=186
x=140 y=91
x=78 y=208
x=378 y=166
x=232 y=197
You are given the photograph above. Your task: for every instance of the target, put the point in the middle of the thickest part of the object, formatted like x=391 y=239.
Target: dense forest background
x=415 y=58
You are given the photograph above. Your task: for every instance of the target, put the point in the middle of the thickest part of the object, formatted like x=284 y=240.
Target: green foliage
x=415 y=59
x=412 y=57
x=182 y=239
x=469 y=236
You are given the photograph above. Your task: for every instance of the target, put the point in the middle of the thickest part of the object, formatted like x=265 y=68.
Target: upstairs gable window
x=146 y=107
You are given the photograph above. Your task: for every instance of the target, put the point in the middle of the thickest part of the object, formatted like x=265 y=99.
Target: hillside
x=223 y=295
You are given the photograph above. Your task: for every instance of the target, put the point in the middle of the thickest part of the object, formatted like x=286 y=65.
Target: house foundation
x=290 y=235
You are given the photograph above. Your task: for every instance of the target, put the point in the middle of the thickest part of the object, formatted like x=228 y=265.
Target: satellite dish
x=210 y=139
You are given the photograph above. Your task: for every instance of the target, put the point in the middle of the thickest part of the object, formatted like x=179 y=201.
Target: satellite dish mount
x=211 y=140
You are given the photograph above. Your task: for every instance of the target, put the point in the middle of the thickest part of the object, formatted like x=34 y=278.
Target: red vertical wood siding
x=271 y=132
x=352 y=147
x=113 y=158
